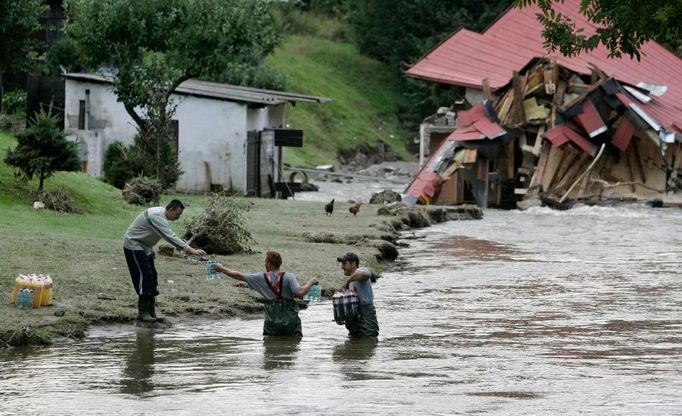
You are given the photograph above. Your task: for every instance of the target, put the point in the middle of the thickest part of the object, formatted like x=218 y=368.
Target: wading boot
x=151 y=308
x=143 y=309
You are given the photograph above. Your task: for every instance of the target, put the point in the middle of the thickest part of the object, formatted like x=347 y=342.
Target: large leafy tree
x=623 y=25
x=42 y=150
x=18 y=21
x=399 y=32
x=152 y=46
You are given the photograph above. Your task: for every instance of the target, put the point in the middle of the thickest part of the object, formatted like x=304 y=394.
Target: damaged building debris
x=554 y=136
x=538 y=127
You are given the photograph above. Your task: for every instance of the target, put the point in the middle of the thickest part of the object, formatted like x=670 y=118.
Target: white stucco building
x=226 y=136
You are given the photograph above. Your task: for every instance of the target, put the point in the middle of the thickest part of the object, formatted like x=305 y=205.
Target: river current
x=537 y=312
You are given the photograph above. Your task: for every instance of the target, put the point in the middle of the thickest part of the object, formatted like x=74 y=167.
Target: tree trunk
x=2 y=91
x=41 y=183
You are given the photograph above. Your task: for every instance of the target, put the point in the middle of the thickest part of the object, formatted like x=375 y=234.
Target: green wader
x=281 y=318
x=366 y=326
x=281 y=315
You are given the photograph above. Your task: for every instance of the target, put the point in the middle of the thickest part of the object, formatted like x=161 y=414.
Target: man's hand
x=199 y=253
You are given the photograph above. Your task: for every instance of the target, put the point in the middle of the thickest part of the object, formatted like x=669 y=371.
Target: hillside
x=364 y=105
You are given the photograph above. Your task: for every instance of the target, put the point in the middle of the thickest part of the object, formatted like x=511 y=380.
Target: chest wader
x=366 y=325
x=281 y=315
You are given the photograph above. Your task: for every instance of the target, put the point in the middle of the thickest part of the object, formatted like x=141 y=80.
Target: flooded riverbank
x=537 y=312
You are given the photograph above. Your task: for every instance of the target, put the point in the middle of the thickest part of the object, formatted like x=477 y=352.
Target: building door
x=253 y=145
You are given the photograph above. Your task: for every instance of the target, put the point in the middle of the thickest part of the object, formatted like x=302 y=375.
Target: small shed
x=226 y=137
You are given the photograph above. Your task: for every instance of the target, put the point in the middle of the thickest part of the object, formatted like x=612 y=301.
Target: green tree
x=18 y=21
x=153 y=46
x=42 y=150
x=623 y=25
x=399 y=32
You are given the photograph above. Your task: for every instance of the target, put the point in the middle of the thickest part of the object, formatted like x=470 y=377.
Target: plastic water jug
x=210 y=274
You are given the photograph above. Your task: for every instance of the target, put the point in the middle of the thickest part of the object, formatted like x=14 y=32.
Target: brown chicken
x=355 y=208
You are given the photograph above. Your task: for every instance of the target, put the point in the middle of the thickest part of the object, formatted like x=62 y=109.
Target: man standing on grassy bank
x=279 y=290
x=150 y=226
x=359 y=280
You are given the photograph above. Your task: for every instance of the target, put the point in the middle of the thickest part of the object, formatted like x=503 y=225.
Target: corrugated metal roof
x=466 y=58
x=225 y=92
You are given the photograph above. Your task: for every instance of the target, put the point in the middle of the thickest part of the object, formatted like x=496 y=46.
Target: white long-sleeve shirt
x=148 y=228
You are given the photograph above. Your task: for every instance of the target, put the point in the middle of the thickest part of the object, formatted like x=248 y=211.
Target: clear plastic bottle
x=337 y=303
x=210 y=274
x=25 y=299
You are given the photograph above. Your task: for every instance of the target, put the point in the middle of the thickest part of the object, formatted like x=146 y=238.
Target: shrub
x=14 y=102
x=219 y=229
x=119 y=165
x=142 y=191
x=59 y=200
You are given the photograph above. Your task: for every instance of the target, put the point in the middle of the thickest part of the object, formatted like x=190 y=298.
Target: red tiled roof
x=466 y=58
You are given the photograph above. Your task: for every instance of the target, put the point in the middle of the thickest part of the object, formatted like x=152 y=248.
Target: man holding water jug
x=279 y=289
x=359 y=280
x=138 y=245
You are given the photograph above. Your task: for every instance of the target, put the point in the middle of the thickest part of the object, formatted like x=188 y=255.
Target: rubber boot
x=152 y=309
x=143 y=309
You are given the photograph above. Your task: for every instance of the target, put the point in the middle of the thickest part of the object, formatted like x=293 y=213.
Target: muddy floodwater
x=538 y=312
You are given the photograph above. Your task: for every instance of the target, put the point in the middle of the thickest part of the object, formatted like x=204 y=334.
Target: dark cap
x=349 y=257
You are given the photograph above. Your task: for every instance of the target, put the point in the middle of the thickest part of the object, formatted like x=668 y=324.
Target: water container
x=350 y=305
x=210 y=274
x=337 y=303
x=25 y=299
x=314 y=294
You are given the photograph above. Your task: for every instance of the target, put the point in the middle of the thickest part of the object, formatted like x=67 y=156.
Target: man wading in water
x=360 y=280
x=138 y=245
x=279 y=290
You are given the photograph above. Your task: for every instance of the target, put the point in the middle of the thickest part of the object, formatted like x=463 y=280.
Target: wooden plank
x=451 y=169
x=638 y=159
x=538 y=140
x=572 y=172
x=557 y=100
x=629 y=164
x=556 y=155
x=542 y=164
x=551 y=77
x=487 y=92
x=470 y=156
x=504 y=105
x=570 y=156
x=510 y=158
x=518 y=85
x=576 y=99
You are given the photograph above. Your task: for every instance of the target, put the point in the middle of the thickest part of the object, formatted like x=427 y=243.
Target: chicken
x=353 y=209
x=329 y=208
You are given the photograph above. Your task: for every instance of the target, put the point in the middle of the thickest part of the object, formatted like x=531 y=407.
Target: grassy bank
x=83 y=254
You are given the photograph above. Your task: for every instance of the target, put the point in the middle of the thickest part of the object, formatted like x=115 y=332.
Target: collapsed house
x=555 y=129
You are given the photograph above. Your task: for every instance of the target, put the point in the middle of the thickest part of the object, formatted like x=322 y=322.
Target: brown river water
x=536 y=313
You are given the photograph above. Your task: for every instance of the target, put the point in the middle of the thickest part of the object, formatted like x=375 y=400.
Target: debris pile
x=553 y=136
